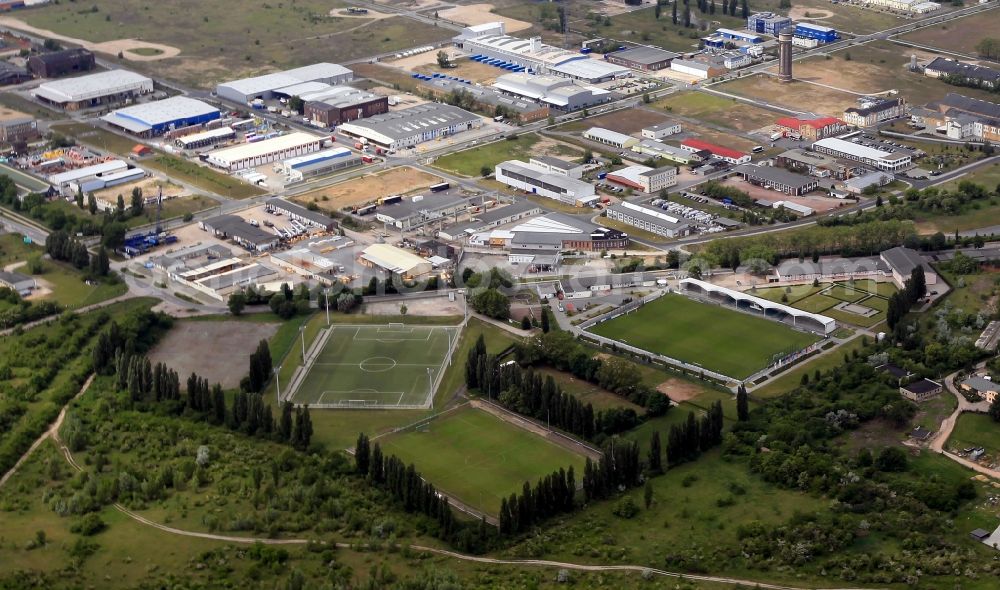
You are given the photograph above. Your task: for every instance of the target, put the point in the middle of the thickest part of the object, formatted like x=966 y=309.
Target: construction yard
x=362 y=190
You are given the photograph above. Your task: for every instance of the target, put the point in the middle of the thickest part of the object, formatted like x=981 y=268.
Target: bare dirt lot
x=149 y=186
x=477 y=14
x=432 y=306
x=959 y=35
x=805 y=13
x=625 y=121
x=215 y=350
x=395 y=181
x=679 y=390
x=466 y=68
x=128 y=47
x=799 y=96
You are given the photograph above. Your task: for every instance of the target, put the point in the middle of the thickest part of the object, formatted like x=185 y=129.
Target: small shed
x=980 y=535
x=140 y=150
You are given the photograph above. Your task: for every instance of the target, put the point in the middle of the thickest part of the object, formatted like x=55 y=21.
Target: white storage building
x=649 y=219
x=538 y=180
x=661 y=130
x=883 y=160
x=266 y=86
x=251 y=155
x=83 y=92
x=613 y=138
x=413 y=125
x=560 y=93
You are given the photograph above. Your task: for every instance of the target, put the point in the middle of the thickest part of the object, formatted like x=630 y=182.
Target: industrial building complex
x=110 y=87
x=536 y=179
x=881 y=159
x=316 y=77
x=154 y=118
x=251 y=155
x=414 y=125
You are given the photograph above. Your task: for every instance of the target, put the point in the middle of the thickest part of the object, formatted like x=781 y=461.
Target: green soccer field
x=376 y=366
x=479 y=458
x=730 y=342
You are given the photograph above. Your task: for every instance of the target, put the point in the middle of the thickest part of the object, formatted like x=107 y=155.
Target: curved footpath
x=54 y=433
x=948 y=425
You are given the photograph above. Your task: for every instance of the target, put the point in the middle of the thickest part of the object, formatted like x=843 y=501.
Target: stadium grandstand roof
x=829 y=324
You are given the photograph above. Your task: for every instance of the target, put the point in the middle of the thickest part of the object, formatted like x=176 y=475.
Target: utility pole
x=277 y=382
x=302 y=332
x=327 y=293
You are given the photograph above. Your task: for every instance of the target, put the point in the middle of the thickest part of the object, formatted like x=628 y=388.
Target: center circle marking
x=377 y=364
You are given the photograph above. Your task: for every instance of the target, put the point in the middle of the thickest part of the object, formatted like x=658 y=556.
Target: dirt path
x=79 y=310
x=125 y=46
x=948 y=425
x=53 y=432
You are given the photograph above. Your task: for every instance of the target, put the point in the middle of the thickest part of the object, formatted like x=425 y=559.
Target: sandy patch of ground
x=679 y=390
x=372 y=14
x=411 y=4
x=797 y=95
x=15 y=265
x=477 y=14
x=547 y=146
x=431 y=306
x=358 y=191
x=806 y=13
x=613 y=7
x=126 y=46
x=217 y=351
x=405 y=100
x=421 y=59
x=150 y=186
x=465 y=69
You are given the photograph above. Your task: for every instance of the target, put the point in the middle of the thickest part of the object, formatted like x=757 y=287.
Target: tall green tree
x=742 y=404
x=655 y=456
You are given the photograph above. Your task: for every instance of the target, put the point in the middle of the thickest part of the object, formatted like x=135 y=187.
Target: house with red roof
x=723 y=153
x=814 y=129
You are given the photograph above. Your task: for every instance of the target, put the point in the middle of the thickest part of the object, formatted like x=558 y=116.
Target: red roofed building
x=723 y=153
x=814 y=129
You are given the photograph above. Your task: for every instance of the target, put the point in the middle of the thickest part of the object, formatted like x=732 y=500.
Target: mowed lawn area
x=377 y=365
x=479 y=458
x=976 y=430
x=719 y=339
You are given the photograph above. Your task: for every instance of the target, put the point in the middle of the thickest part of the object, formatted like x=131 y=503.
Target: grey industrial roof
x=233 y=225
x=86 y=87
x=875 y=108
x=957 y=68
x=415 y=120
x=828 y=267
x=237 y=277
x=971 y=105
x=695 y=65
x=488 y=95
x=270 y=82
x=903 y=260
x=431 y=203
x=339 y=96
x=556 y=162
x=537 y=173
x=589 y=69
x=658 y=171
x=645 y=55
x=641 y=214
x=316 y=216
x=775 y=175
x=607 y=135
x=498 y=213
x=980 y=383
x=922 y=386
x=13 y=277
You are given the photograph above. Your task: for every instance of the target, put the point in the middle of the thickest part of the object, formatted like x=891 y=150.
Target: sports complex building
x=155 y=118
x=805 y=320
x=110 y=87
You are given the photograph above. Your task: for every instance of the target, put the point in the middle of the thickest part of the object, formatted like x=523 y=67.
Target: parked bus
x=441 y=186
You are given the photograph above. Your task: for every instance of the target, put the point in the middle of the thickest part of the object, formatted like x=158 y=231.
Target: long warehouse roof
x=262 y=148
x=269 y=82
x=142 y=117
x=847 y=147
x=411 y=121
x=94 y=85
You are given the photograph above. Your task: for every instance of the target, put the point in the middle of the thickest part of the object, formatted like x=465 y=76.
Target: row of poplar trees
x=551 y=495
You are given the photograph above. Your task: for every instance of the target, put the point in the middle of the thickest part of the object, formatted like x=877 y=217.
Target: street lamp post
x=327 y=293
x=302 y=332
x=430 y=382
x=277 y=382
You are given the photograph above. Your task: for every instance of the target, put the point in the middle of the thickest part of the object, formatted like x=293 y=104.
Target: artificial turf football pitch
x=716 y=338
x=478 y=458
x=376 y=366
